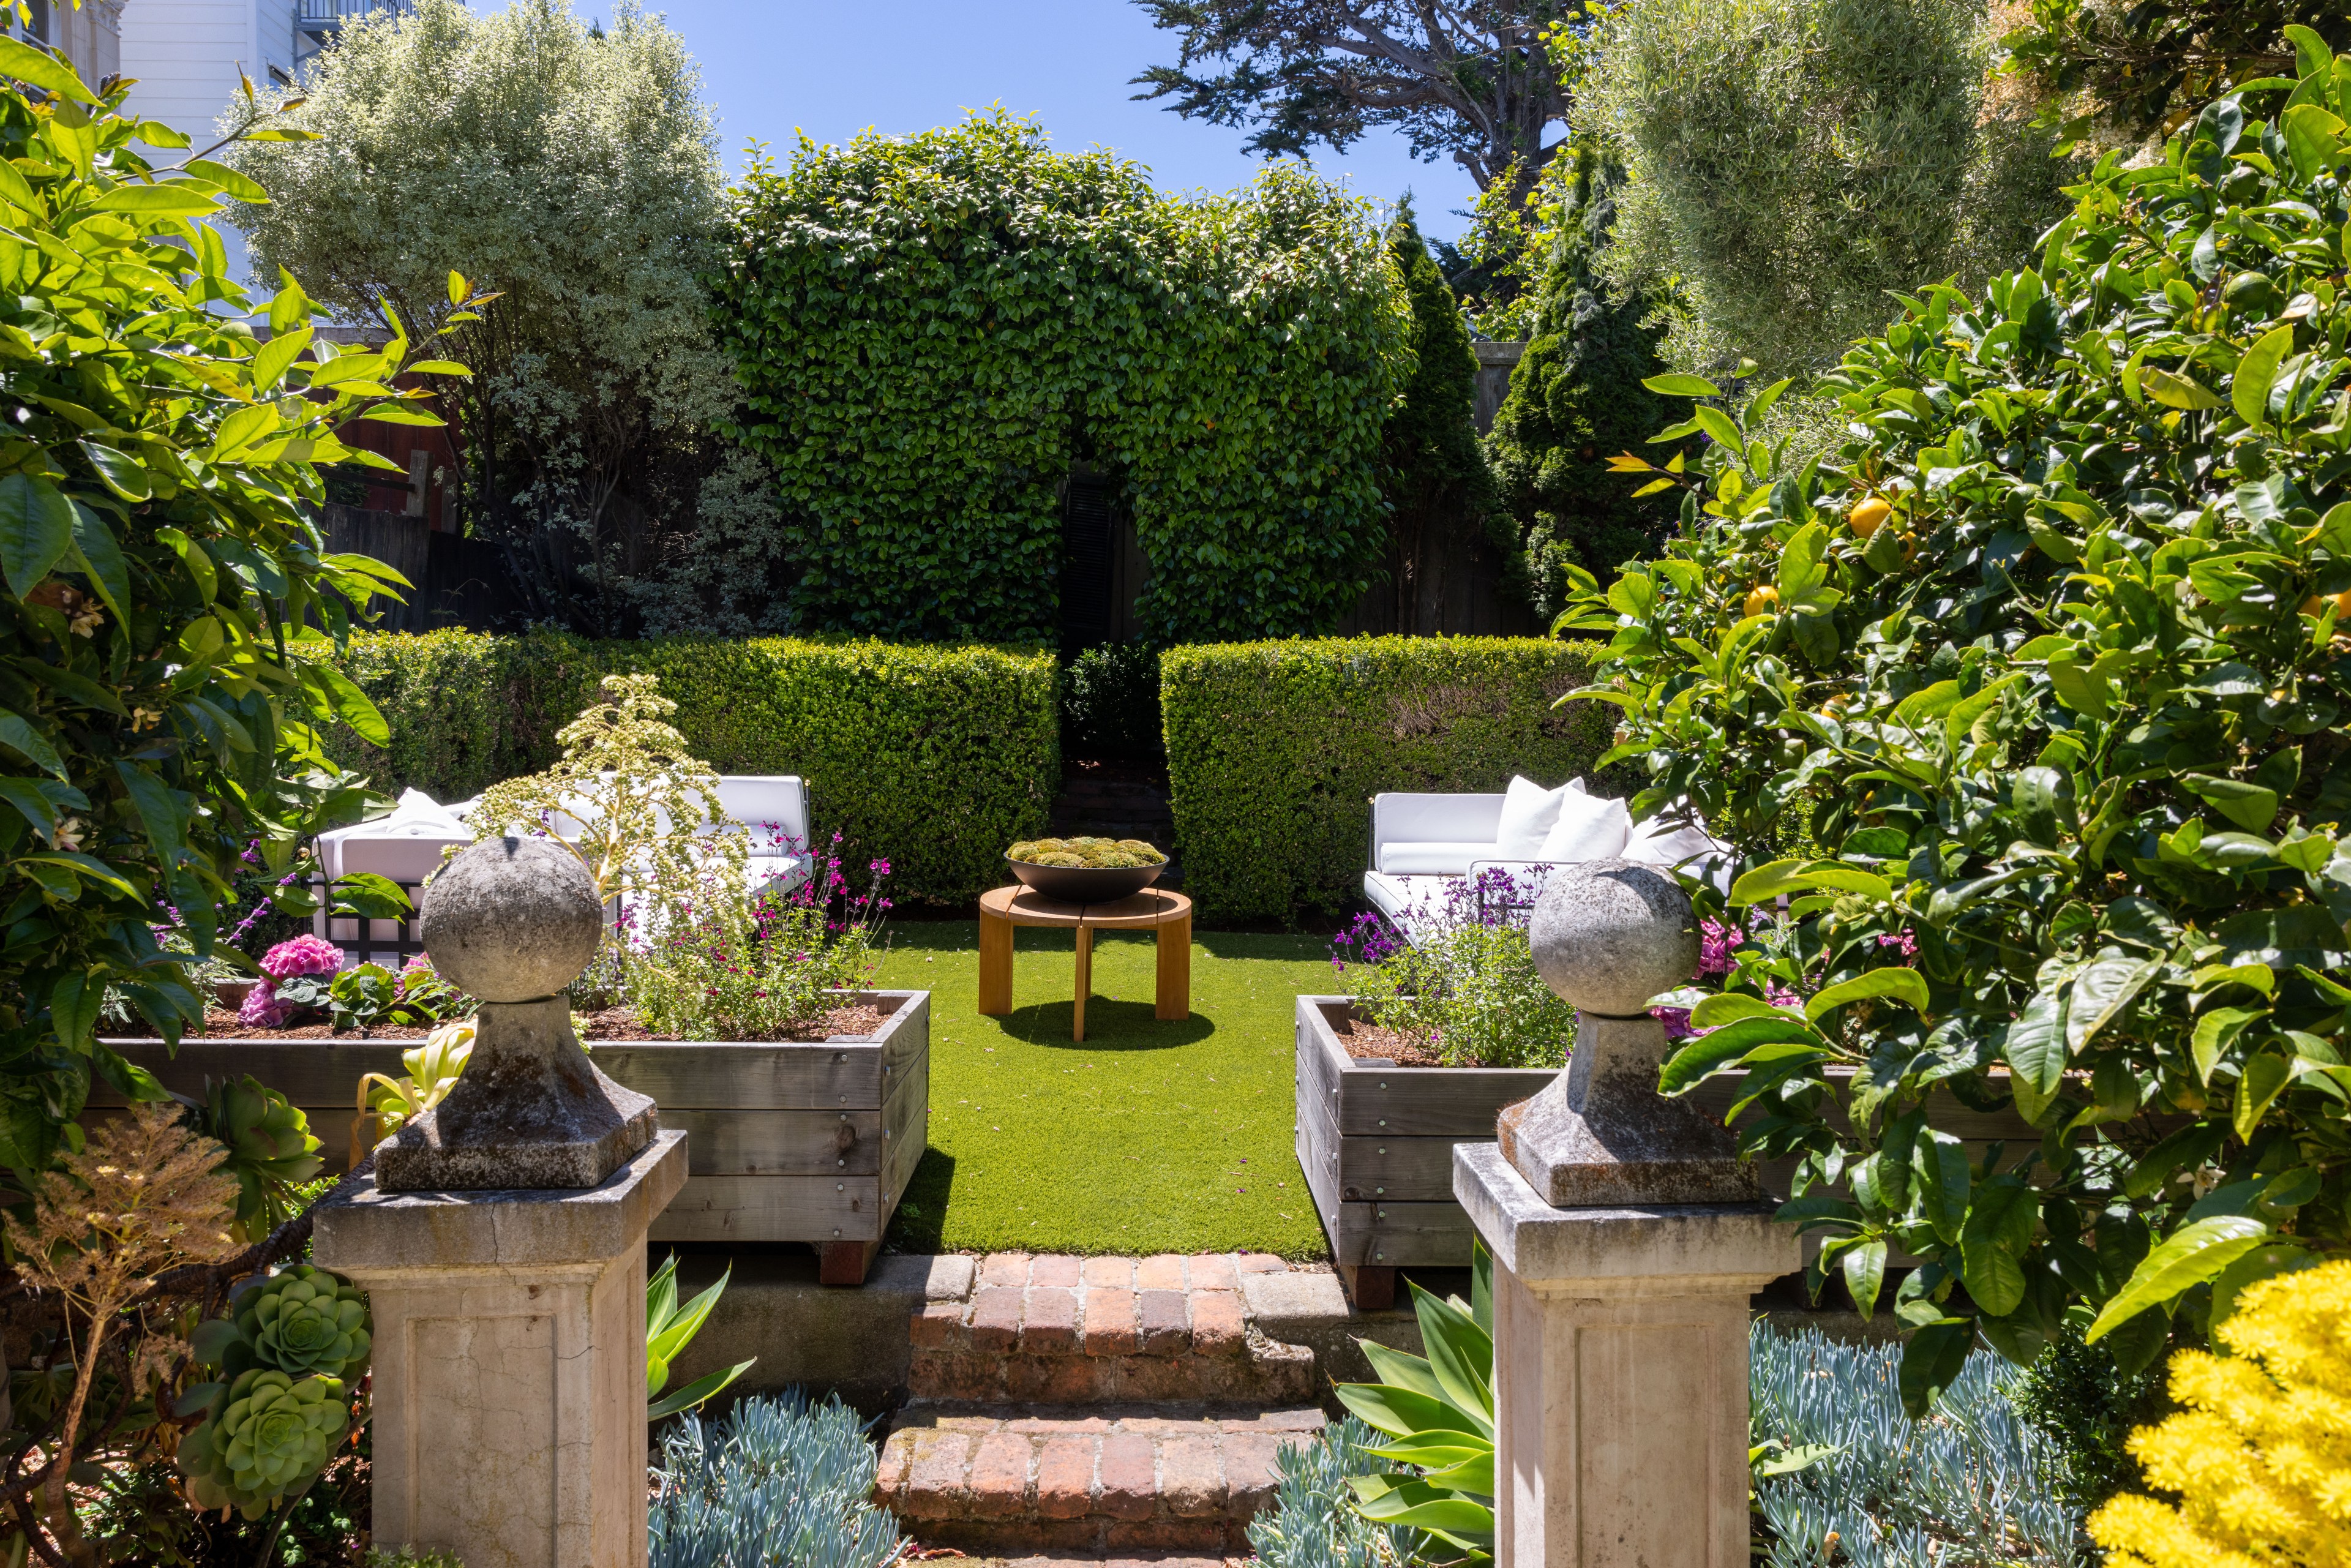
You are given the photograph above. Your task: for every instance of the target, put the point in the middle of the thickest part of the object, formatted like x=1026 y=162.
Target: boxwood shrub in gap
x=927 y=329
x=167 y=619
x=2056 y=644
x=934 y=757
x=1274 y=750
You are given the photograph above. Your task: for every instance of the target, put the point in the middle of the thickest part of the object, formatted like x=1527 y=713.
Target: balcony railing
x=323 y=16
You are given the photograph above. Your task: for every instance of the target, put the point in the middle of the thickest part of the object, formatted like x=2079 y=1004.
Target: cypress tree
x=1575 y=400
x=1431 y=473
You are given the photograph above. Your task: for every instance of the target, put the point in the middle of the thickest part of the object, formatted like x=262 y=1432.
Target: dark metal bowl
x=1085 y=883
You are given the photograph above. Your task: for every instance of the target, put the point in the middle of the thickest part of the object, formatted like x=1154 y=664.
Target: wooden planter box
x=1376 y=1141
x=785 y=1142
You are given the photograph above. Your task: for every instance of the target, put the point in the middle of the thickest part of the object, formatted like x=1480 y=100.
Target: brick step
x=1021 y=1480
x=1070 y=1331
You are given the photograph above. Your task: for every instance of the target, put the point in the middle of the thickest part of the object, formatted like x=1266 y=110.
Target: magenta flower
x=1677 y=1022
x=261 y=1009
x=1905 y=942
x=302 y=956
x=1715 y=943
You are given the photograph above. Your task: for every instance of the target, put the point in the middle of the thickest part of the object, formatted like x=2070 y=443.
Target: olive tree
x=572 y=169
x=1793 y=160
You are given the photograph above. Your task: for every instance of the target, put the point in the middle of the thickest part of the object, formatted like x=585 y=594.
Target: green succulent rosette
x=305 y=1320
x=265 y=1434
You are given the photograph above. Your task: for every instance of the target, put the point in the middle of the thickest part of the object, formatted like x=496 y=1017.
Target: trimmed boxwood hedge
x=933 y=756
x=1274 y=750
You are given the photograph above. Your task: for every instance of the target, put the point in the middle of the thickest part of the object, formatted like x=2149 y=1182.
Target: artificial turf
x=1149 y=1137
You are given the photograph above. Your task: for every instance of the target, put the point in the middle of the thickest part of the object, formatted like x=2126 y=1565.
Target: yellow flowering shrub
x=2261 y=1450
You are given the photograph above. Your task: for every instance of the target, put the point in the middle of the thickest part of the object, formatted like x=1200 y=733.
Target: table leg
x=995 y=965
x=1085 y=981
x=1174 y=995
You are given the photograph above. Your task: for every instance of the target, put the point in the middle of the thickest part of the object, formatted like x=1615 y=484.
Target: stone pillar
x=1627 y=1237
x=502 y=1244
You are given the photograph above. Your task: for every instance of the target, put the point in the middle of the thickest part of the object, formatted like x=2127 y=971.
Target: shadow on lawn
x=1110 y=1025
x=922 y=1216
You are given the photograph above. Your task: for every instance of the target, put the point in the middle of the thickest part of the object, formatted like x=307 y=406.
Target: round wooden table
x=1152 y=909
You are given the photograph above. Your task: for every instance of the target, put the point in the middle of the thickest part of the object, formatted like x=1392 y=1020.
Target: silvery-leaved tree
x=168 y=619
x=574 y=172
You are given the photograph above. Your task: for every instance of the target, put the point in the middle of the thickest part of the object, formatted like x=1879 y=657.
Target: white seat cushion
x=1528 y=811
x=1410 y=859
x=1689 y=849
x=1404 y=900
x=1588 y=828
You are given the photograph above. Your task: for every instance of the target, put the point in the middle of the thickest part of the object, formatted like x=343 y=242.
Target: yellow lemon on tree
x=2315 y=605
x=1763 y=601
x=1867 y=515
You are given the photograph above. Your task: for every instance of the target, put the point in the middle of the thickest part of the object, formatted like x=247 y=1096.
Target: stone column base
x=1620 y=1371
x=509 y=1364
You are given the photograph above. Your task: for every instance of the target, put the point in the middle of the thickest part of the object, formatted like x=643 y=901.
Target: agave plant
x=669 y=1329
x=385 y=1103
x=1439 y=1409
x=262 y=1437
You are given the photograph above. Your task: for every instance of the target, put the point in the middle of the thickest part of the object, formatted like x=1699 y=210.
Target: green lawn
x=1149 y=1137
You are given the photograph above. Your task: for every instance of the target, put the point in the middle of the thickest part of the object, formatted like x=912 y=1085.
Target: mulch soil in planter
x=1377 y=1042
x=611 y=1023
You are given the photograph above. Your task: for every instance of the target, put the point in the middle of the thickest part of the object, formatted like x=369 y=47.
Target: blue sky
x=771 y=68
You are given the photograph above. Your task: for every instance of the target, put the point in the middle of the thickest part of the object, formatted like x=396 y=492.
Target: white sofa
x=1424 y=845
x=407 y=846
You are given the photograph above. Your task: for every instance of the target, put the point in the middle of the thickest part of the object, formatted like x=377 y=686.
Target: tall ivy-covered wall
x=928 y=330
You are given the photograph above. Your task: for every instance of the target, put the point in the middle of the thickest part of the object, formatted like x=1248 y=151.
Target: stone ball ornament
x=512 y=919
x=1609 y=935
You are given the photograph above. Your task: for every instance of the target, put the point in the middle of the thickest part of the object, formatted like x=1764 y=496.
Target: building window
x=37 y=27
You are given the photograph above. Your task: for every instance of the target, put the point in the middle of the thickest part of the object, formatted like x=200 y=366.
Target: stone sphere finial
x=512 y=920
x=1609 y=935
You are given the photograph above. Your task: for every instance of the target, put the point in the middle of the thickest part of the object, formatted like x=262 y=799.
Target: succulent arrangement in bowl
x=1086 y=870
x=1104 y=854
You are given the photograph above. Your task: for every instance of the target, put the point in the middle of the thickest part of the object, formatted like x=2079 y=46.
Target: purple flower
x=1677 y=1022
x=1779 y=995
x=1905 y=942
x=1715 y=942
x=261 y=1008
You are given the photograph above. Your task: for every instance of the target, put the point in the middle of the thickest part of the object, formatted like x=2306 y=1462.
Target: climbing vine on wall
x=929 y=329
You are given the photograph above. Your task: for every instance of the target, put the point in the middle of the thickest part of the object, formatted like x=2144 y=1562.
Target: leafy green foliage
x=1274 y=750
x=1110 y=702
x=2146 y=67
x=1576 y=397
x=1437 y=1412
x=2086 y=1409
x=669 y=1329
x=2050 y=649
x=1791 y=160
x=935 y=757
x=927 y=330
x=167 y=622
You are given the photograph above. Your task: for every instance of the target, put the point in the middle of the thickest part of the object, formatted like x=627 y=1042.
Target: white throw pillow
x=1589 y=828
x=1528 y=812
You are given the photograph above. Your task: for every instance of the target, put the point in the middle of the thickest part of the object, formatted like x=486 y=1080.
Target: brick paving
x=1068 y=1481
x=1072 y=1331
x=1075 y=1407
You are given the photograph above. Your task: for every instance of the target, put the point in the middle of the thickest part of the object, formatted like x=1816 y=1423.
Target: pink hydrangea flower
x=1781 y=996
x=1715 y=942
x=1905 y=942
x=302 y=956
x=1677 y=1022
x=261 y=1009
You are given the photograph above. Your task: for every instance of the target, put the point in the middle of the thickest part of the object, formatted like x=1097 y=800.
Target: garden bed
x=1376 y=1140
x=787 y=1141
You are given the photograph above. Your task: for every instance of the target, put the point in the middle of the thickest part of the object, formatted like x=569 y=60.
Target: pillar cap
x=369 y=1232
x=1627 y=1250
